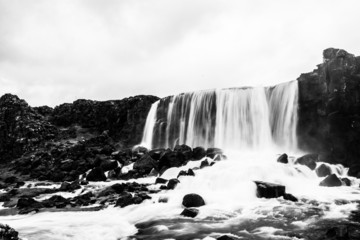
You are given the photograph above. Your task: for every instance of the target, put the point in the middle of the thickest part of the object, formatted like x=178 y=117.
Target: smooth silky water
x=253 y=126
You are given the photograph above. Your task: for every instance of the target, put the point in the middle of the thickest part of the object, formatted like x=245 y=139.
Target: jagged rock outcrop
x=329 y=109
x=22 y=128
x=124 y=119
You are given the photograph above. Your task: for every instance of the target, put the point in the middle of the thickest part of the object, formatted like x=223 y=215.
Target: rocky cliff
x=23 y=129
x=329 y=109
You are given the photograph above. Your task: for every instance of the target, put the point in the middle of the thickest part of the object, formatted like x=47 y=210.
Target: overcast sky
x=55 y=51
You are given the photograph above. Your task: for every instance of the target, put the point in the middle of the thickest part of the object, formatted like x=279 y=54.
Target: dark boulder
x=212 y=152
x=199 y=153
x=160 y=181
x=8 y=233
x=145 y=164
x=66 y=186
x=346 y=181
x=171 y=159
x=184 y=150
x=156 y=153
x=323 y=170
x=189 y=172
x=108 y=165
x=190 y=212
x=331 y=181
x=308 y=160
x=172 y=183
x=28 y=203
x=124 y=200
x=269 y=190
x=193 y=200
x=290 y=197
x=283 y=158
x=225 y=237
x=56 y=201
x=204 y=163
x=96 y=175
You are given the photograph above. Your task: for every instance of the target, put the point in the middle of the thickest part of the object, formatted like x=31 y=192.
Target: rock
x=323 y=170
x=193 y=200
x=283 y=158
x=124 y=200
x=190 y=212
x=189 y=172
x=96 y=175
x=171 y=159
x=11 y=180
x=308 y=160
x=145 y=164
x=108 y=165
x=184 y=150
x=331 y=181
x=225 y=237
x=204 y=163
x=28 y=203
x=56 y=201
x=66 y=186
x=8 y=233
x=199 y=153
x=346 y=181
x=160 y=181
x=269 y=190
x=172 y=183
x=212 y=152
x=156 y=153
x=290 y=197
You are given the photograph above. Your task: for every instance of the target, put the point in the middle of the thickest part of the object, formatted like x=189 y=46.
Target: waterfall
x=236 y=118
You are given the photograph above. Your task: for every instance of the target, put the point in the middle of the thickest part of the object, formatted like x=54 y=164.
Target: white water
x=243 y=118
x=254 y=126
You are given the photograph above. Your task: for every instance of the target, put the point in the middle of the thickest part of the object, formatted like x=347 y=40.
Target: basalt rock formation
x=24 y=129
x=329 y=109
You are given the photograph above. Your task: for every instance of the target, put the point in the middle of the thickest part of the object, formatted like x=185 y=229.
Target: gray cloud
x=54 y=51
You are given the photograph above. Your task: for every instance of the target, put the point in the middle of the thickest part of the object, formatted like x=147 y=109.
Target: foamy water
x=230 y=195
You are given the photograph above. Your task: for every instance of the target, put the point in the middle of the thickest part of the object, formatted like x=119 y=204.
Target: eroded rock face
x=329 y=108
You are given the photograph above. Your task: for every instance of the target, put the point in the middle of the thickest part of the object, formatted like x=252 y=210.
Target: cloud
x=54 y=51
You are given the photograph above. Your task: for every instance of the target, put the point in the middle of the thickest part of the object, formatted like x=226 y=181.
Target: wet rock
x=184 y=150
x=204 y=163
x=283 y=158
x=108 y=165
x=331 y=181
x=117 y=188
x=340 y=232
x=145 y=164
x=346 y=181
x=28 y=203
x=172 y=183
x=193 y=200
x=308 y=160
x=66 y=186
x=156 y=153
x=11 y=180
x=290 y=197
x=55 y=201
x=199 y=153
x=171 y=159
x=269 y=190
x=225 y=237
x=323 y=170
x=4 y=197
x=190 y=212
x=124 y=200
x=8 y=233
x=212 y=152
x=96 y=175
x=160 y=181
x=189 y=172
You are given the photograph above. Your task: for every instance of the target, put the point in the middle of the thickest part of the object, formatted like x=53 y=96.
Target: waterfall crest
x=237 y=118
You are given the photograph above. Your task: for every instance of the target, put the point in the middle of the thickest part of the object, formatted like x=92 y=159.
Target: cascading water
x=243 y=118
